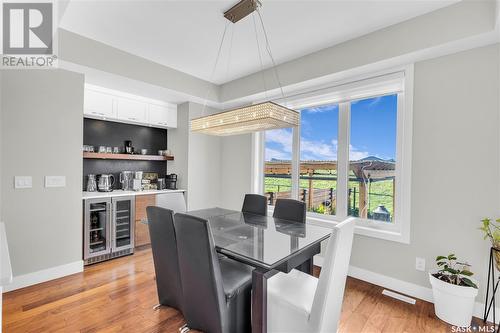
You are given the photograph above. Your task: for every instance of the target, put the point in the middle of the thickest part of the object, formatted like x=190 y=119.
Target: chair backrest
x=255 y=204
x=164 y=248
x=204 y=299
x=289 y=209
x=327 y=304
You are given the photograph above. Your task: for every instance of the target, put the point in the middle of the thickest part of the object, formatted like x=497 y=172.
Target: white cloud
x=276 y=154
x=375 y=101
x=323 y=108
x=282 y=137
x=317 y=150
x=309 y=149
x=355 y=154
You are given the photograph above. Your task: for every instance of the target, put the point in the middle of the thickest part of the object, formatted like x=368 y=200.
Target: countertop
x=121 y=193
x=5 y=268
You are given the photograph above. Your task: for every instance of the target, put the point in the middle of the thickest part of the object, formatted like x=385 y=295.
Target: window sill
x=368 y=231
x=374 y=231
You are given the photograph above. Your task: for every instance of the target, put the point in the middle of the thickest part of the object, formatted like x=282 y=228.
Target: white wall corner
x=44 y=275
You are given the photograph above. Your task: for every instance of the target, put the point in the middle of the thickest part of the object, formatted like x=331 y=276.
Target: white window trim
x=399 y=231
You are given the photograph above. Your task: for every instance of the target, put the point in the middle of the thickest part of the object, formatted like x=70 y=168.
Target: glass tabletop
x=261 y=239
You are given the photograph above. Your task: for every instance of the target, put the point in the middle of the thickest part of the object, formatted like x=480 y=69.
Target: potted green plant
x=454 y=291
x=491 y=230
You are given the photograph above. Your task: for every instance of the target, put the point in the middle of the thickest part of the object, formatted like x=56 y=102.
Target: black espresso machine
x=171 y=181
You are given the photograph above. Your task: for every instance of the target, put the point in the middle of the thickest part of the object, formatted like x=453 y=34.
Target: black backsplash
x=106 y=133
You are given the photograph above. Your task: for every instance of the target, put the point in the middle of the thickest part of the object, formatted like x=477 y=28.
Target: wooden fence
x=313 y=198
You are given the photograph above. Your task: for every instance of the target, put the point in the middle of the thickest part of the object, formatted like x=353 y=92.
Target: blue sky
x=373 y=132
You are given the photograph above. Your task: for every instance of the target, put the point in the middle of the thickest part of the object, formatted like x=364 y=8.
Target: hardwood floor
x=119 y=295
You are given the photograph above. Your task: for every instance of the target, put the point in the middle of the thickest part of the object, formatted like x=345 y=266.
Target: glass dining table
x=269 y=244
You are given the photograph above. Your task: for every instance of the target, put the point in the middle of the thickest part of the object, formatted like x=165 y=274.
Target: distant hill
x=375 y=158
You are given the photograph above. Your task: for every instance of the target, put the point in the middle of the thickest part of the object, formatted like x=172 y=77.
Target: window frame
x=342 y=94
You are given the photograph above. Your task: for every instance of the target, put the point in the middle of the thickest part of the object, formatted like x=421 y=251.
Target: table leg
x=259 y=299
x=308 y=266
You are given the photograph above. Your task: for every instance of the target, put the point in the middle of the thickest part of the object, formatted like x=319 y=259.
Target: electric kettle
x=105 y=183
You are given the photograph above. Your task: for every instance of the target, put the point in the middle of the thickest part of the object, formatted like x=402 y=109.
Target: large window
x=349 y=157
x=372 y=158
x=318 y=158
x=278 y=162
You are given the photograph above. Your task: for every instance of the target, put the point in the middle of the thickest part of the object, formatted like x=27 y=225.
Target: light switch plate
x=55 y=181
x=23 y=182
x=420 y=264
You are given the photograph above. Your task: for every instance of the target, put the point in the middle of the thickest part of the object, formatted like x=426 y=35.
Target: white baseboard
x=400 y=286
x=44 y=275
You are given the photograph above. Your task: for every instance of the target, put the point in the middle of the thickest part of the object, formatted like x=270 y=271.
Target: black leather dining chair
x=216 y=293
x=289 y=209
x=164 y=248
x=255 y=204
x=293 y=210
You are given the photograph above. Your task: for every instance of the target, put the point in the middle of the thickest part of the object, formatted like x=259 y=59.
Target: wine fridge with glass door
x=108 y=230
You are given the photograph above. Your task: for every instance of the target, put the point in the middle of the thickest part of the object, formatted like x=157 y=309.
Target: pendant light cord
x=260 y=55
x=214 y=68
x=230 y=51
x=269 y=52
x=268 y=48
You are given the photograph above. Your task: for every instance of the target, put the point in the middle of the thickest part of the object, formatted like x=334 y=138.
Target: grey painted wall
x=178 y=140
x=204 y=165
x=1 y=152
x=235 y=172
x=41 y=134
x=197 y=158
x=455 y=171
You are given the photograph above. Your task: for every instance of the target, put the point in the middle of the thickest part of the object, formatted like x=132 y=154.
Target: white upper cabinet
x=131 y=110
x=164 y=116
x=122 y=107
x=98 y=104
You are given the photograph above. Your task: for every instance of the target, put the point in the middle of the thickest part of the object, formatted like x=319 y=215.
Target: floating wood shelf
x=107 y=156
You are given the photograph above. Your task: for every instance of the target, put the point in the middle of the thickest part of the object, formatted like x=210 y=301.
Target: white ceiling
x=185 y=35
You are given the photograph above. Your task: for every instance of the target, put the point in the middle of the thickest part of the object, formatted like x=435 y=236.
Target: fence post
x=349 y=201
x=311 y=198
x=354 y=200
x=304 y=195
x=363 y=208
x=271 y=197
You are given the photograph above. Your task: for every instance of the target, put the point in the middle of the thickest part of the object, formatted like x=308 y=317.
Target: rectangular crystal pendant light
x=253 y=118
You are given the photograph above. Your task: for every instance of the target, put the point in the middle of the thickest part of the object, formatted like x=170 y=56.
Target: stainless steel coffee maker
x=127 y=180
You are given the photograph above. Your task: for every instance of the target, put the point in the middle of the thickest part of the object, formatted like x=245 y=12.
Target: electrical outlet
x=420 y=264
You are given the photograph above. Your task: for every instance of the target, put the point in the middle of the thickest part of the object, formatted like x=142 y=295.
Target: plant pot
x=453 y=304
